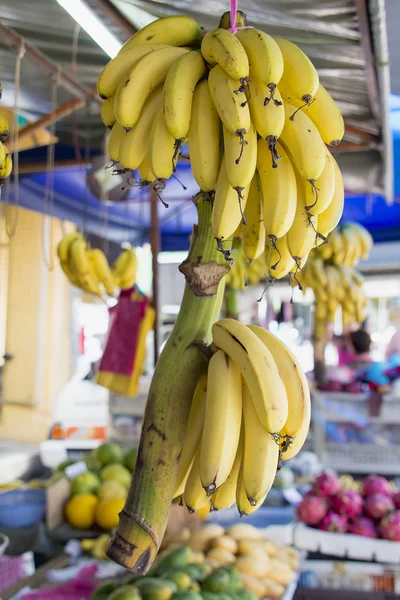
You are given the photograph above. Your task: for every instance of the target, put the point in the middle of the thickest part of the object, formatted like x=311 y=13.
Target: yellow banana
x=321 y=310
x=319 y=195
x=253 y=239
x=303 y=232
x=279 y=260
x=292 y=374
x=225 y=496
x=107 y=112
x=243 y=504
x=331 y=216
x=115 y=140
x=326 y=116
x=146 y=174
x=364 y=236
x=3 y=155
x=268 y=119
x=223 y=417
x=194 y=496
x=241 y=160
x=162 y=155
x=193 y=434
x=203 y=139
x=121 y=263
x=5 y=172
x=127 y=272
x=179 y=87
x=221 y=47
x=135 y=143
x=265 y=58
x=325 y=251
x=352 y=246
x=63 y=255
x=228 y=206
x=299 y=74
x=4 y=129
x=82 y=267
x=302 y=140
x=258 y=369
x=318 y=272
x=231 y=105
x=116 y=69
x=176 y=30
x=102 y=270
x=335 y=240
x=146 y=75
x=279 y=190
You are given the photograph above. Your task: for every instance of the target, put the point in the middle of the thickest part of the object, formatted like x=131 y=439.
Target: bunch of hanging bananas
x=243 y=272
x=89 y=270
x=249 y=411
x=5 y=156
x=256 y=120
x=347 y=245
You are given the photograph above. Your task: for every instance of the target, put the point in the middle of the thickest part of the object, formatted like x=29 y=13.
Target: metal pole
x=155 y=249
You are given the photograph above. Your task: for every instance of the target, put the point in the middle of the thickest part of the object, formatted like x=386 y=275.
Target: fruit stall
x=199 y=301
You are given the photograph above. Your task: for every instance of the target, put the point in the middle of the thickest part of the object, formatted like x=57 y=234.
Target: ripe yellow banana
x=318 y=272
x=193 y=434
x=352 y=246
x=303 y=232
x=260 y=454
x=145 y=173
x=279 y=190
x=194 y=495
x=63 y=255
x=176 y=30
x=279 y=260
x=225 y=496
x=336 y=241
x=326 y=115
x=121 y=263
x=135 y=143
x=269 y=118
x=265 y=58
x=203 y=139
x=331 y=216
x=319 y=195
x=3 y=155
x=231 y=104
x=179 y=87
x=228 y=207
x=364 y=236
x=107 y=112
x=221 y=47
x=162 y=155
x=115 y=140
x=82 y=267
x=241 y=160
x=253 y=239
x=117 y=68
x=145 y=76
x=126 y=275
x=302 y=140
x=258 y=369
x=102 y=270
x=4 y=129
x=223 y=417
x=5 y=172
x=299 y=74
x=243 y=504
x=297 y=389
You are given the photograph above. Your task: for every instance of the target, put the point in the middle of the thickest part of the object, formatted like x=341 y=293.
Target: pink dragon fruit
x=396 y=500
x=363 y=526
x=378 y=506
x=374 y=484
x=390 y=527
x=333 y=523
x=327 y=484
x=312 y=509
x=348 y=503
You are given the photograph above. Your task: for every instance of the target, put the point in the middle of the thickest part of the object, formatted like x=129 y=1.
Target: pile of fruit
x=370 y=510
x=212 y=564
x=330 y=273
x=249 y=411
x=5 y=156
x=89 y=270
x=98 y=495
x=256 y=120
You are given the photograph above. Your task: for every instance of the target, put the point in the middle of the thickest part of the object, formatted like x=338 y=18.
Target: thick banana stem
x=144 y=517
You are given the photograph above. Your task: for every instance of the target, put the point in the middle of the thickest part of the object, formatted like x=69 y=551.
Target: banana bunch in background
x=256 y=120
x=243 y=272
x=5 y=156
x=89 y=270
x=330 y=273
x=249 y=411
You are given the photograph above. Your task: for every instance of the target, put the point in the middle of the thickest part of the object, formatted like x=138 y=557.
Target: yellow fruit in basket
x=221 y=556
x=80 y=510
x=255 y=565
x=253 y=584
x=107 y=512
x=109 y=490
x=280 y=572
x=243 y=531
x=201 y=538
x=247 y=547
x=272 y=588
x=198 y=557
x=226 y=542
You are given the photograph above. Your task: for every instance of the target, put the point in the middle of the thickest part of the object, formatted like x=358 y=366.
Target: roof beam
x=366 y=44
x=112 y=14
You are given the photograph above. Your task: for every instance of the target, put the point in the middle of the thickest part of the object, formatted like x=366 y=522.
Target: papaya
x=125 y=592
x=245 y=594
x=104 y=590
x=209 y=595
x=181 y=578
x=195 y=587
x=176 y=558
x=188 y=595
x=155 y=589
x=218 y=581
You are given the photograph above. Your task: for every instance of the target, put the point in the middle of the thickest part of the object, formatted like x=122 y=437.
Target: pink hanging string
x=234 y=6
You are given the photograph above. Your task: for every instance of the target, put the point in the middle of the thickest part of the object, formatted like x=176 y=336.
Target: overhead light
x=93 y=26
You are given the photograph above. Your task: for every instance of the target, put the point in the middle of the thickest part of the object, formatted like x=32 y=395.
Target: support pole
x=155 y=249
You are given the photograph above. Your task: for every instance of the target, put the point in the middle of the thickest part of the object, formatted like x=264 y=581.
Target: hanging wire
x=47 y=240
x=104 y=198
x=12 y=228
x=85 y=168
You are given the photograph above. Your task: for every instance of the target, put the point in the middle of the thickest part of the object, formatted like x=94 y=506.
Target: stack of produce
x=269 y=169
x=212 y=564
x=5 y=156
x=330 y=273
x=249 y=411
x=89 y=270
x=370 y=510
